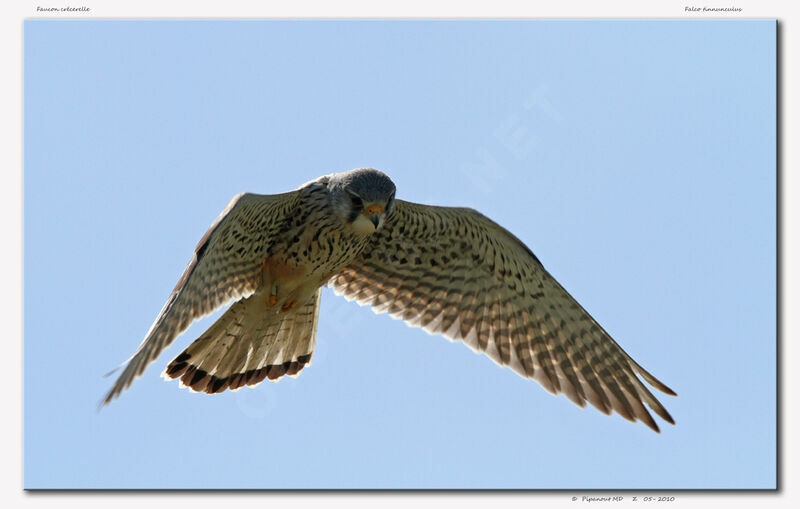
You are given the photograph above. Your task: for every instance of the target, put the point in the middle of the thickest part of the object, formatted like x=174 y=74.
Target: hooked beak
x=375 y=218
x=373 y=213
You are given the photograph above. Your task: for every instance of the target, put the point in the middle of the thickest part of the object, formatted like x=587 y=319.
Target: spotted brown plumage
x=450 y=271
x=454 y=272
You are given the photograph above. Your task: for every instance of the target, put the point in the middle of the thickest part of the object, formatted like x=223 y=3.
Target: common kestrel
x=451 y=271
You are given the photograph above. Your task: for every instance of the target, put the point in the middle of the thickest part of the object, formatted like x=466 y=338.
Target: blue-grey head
x=363 y=198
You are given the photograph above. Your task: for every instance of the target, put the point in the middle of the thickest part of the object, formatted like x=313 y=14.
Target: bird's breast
x=308 y=254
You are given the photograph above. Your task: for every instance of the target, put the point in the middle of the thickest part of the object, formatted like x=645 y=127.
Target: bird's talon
x=289 y=306
x=273 y=299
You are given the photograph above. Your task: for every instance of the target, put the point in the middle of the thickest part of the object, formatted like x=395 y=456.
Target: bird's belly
x=291 y=282
x=306 y=260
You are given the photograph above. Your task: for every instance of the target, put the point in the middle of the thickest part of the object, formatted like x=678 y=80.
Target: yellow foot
x=273 y=299
x=289 y=306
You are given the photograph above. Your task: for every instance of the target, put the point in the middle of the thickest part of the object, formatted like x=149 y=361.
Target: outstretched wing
x=454 y=272
x=226 y=265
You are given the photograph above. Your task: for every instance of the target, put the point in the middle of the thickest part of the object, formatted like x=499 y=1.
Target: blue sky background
x=636 y=159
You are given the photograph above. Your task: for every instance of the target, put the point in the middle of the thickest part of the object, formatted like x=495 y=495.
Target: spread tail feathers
x=248 y=343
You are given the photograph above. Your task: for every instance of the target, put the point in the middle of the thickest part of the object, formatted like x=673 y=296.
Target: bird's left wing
x=454 y=272
x=226 y=265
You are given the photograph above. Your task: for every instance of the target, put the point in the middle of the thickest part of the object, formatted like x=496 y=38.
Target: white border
x=12 y=17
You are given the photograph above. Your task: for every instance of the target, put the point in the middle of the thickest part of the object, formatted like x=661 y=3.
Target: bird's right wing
x=455 y=272
x=226 y=265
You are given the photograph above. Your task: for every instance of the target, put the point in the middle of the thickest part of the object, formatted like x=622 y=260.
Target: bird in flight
x=450 y=271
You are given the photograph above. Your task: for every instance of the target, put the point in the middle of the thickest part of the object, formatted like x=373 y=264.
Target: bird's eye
x=356 y=201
